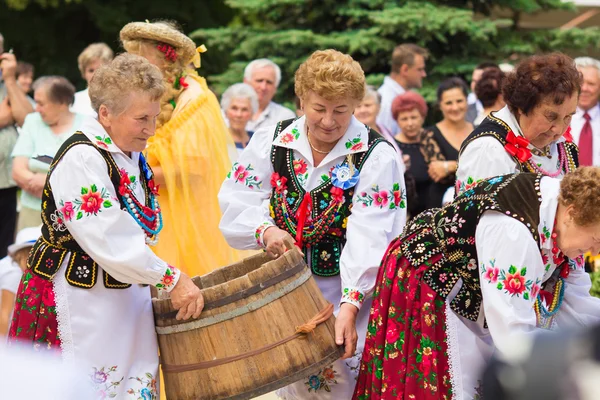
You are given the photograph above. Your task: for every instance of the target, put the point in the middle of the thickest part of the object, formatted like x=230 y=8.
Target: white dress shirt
x=577 y=124
x=388 y=91
x=270 y=116
x=83 y=104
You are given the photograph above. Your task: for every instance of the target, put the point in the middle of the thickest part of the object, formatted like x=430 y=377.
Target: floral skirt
x=34 y=318
x=406 y=352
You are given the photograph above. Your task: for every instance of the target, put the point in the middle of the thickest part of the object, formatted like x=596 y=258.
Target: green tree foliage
x=459 y=34
x=51 y=33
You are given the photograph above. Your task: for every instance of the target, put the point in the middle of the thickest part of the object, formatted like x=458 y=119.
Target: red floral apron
x=34 y=318
x=405 y=355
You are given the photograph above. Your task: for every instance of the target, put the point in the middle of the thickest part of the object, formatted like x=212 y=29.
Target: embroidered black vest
x=56 y=242
x=498 y=129
x=444 y=239
x=327 y=235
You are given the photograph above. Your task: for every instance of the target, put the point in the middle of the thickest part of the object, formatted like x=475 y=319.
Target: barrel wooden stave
x=262 y=372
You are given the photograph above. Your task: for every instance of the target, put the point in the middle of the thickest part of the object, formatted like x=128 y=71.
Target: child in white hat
x=11 y=270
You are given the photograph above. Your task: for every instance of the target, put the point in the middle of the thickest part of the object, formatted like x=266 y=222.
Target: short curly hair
x=332 y=75
x=537 y=78
x=95 y=51
x=581 y=188
x=409 y=101
x=489 y=86
x=114 y=82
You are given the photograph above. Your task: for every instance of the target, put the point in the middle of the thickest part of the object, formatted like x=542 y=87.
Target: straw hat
x=164 y=33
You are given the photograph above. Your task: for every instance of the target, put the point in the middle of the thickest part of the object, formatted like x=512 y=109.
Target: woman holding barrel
x=335 y=187
x=85 y=289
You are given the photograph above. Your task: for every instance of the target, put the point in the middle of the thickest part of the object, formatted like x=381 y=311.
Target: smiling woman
x=334 y=186
x=530 y=134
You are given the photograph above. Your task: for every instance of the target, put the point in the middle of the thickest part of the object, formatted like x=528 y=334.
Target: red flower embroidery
x=514 y=283
x=240 y=173
x=287 y=138
x=491 y=274
x=91 y=202
x=67 y=211
x=101 y=144
x=397 y=197
x=300 y=167
x=357 y=146
x=381 y=199
x=535 y=289
x=167 y=280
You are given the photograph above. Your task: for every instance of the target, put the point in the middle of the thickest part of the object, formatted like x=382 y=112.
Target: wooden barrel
x=246 y=341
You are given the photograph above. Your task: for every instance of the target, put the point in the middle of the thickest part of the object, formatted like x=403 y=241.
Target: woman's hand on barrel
x=274 y=240
x=345 y=329
x=187 y=298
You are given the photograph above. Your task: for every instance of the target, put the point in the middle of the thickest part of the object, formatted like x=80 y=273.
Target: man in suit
x=585 y=124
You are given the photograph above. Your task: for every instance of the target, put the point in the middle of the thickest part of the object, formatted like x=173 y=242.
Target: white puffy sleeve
x=481 y=159
x=511 y=271
x=90 y=210
x=579 y=307
x=378 y=216
x=245 y=193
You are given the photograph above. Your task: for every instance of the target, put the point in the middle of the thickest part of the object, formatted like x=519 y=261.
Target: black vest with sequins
x=56 y=242
x=325 y=235
x=444 y=239
x=498 y=129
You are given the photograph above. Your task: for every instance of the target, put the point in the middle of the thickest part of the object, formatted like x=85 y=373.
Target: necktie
x=586 y=142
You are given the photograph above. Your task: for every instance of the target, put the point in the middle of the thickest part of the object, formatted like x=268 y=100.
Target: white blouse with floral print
x=108 y=333
x=513 y=269
x=486 y=157
x=379 y=205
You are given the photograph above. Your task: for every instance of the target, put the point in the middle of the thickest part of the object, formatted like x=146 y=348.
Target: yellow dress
x=192 y=150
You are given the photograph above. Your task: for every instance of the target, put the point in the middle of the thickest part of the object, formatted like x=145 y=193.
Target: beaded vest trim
x=450 y=232
x=326 y=237
x=55 y=245
x=498 y=129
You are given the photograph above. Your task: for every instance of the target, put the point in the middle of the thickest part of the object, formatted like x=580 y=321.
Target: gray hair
x=371 y=92
x=262 y=63
x=113 y=82
x=584 y=62
x=240 y=91
x=58 y=89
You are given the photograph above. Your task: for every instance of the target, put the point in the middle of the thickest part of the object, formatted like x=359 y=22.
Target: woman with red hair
x=409 y=111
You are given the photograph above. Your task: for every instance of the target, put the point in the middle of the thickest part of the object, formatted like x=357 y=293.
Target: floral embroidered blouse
x=513 y=268
x=89 y=209
x=486 y=157
x=375 y=219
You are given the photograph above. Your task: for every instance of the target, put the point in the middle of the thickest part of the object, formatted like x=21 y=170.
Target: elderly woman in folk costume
x=531 y=133
x=503 y=260
x=85 y=289
x=335 y=187
x=190 y=153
